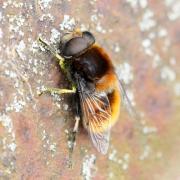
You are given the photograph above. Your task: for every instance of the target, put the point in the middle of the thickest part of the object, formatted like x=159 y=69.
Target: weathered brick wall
x=142 y=37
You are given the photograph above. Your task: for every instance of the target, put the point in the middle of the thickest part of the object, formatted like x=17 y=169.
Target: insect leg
x=58 y=91
x=77 y=120
x=77 y=112
x=76 y=126
x=72 y=137
x=72 y=140
x=59 y=58
x=73 y=133
x=49 y=48
x=65 y=67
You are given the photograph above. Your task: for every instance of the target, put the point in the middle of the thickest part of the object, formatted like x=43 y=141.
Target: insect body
x=95 y=84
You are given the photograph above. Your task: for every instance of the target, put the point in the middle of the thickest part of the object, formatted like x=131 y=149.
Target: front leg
x=72 y=140
x=58 y=91
x=49 y=48
x=64 y=67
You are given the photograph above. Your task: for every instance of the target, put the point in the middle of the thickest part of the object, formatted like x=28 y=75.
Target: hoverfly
x=94 y=82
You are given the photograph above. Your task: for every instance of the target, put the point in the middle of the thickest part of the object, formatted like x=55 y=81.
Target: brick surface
x=142 y=37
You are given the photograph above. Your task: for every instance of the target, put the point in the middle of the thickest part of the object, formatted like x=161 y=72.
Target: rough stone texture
x=142 y=37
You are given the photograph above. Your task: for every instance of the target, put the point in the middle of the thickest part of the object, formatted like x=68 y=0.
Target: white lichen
x=84 y=27
x=111 y=175
x=149 y=130
x=125 y=166
x=13 y=4
x=20 y=49
x=112 y=155
x=10 y=73
x=94 y=18
x=143 y=3
x=9 y=140
x=123 y=162
x=162 y=32
x=132 y=3
x=169 y=2
x=125 y=72
x=15 y=23
x=147 y=46
x=1 y=33
x=146 y=153
x=88 y=167
x=146 y=43
x=48 y=144
x=1 y=16
x=44 y=134
x=100 y=29
x=66 y=131
x=55 y=35
x=174 y=12
x=16 y=105
x=147 y=21
x=47 y=17
x=126 y=156
x=71 y=144
x=92 y=2
x=6 y=122
x=177 y=89
x=44 y=4
x=65 y=107
x=167 y=73
x=68 y=23
x=137 y=3
x=12 y=146
x=116 y=48
x=156 y=61
x=53 y=147
x=34 y=47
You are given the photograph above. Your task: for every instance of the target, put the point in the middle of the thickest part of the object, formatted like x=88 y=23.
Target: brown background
x=143 y=40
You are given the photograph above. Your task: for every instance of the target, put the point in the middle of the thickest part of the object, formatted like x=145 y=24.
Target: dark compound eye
x=76 y=46
x=89 y=37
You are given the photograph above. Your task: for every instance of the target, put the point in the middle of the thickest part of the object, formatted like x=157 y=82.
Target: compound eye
x=89 y=37
x=78 y=45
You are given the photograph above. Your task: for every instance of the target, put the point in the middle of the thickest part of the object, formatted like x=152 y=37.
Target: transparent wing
x=128 y=104
x=101 y=140
x=96 y=115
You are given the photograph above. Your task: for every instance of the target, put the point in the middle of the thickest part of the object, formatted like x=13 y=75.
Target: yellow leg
x=58 y=91
x=49 y=48
x=60 y=59
x=63 y=65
